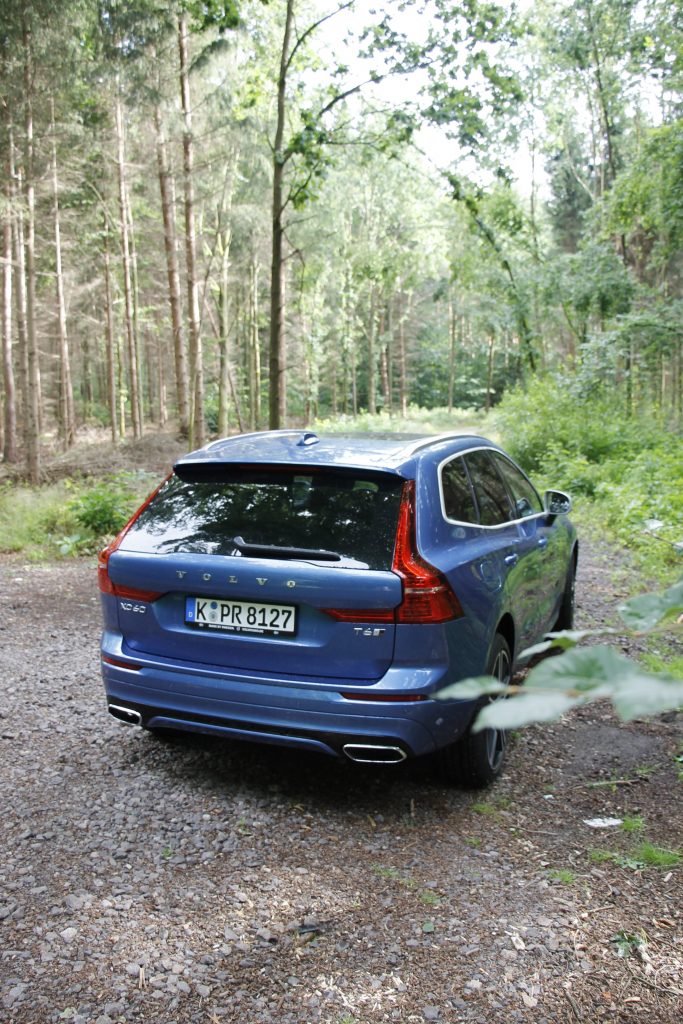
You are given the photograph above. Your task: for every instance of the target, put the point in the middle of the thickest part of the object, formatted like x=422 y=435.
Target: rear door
x=271 y=571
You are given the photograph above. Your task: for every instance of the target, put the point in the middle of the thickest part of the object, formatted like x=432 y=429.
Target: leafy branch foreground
x=579 y=676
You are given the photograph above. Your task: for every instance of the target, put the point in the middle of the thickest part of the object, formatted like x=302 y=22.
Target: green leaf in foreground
x=556 y=685
x=649 y=610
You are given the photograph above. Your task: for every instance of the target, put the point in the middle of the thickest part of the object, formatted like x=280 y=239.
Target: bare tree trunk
x=111 y=344
x=197 y=429
x=131 y=341
x=161 y=383
x=278 y=384
x=33 y=382
x=9 y=446
x=452 y=333
x=224 y=370
x=372 y=371
x=489 y=375
x=402 y=362
x=20 y=287
x=254 y=346
x=140 y=364
x=384 y=363
x=67 y=416
x=171 y=249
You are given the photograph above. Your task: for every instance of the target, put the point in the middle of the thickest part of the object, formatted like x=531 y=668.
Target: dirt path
x=210 y=882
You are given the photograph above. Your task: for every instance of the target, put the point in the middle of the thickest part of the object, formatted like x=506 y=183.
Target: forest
x=224 y=215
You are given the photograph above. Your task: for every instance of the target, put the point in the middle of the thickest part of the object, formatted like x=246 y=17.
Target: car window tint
x=526 y=500
x=457 y=493
x=355 y=516
x=492 y=498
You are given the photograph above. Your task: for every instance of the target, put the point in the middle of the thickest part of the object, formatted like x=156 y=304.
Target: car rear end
x=271 y=591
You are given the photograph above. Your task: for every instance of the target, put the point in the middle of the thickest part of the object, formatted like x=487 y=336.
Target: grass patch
x=644 y=855
x=562 y=875
x=418 y=421
x=632 y=824
x=483 y=807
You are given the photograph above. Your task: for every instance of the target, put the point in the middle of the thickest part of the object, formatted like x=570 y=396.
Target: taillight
x=361 y=614
x=427 y=595
x=106 y=584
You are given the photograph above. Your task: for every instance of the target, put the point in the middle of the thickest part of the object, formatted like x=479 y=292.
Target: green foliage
x=417 y=420
x=104 y=508
x=68 y=519
x=579 y=676
x=630 y=467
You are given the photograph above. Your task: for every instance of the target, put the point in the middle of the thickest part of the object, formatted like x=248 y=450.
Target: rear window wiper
x=276 y=551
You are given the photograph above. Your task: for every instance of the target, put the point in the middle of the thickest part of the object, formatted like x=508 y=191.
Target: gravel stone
x=174 y=882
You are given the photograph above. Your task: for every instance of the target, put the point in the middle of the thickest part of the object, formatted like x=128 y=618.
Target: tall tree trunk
x=197 y=429
x=111 y=343
x=131 y=341
x=33 y=367
x=171 y=250
x=254 y=347
x=372 y=370
x=9 y=445
x=489 y=374
x=224 y=366
x=16 y=187
x=452 y=335
x=67 y=416
x=141 y=364
x=278 y=383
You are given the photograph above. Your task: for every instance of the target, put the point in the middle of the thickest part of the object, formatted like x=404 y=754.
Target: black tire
x=565 y=617
x=476 y=759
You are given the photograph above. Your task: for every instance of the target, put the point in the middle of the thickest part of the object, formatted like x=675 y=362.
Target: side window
x=458 y=499
x=524 y=496
x=492 y=497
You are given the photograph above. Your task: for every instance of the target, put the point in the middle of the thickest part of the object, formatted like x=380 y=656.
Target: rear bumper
x=304 y=717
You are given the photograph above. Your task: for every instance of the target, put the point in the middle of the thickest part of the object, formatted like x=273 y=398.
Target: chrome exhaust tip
x=126 y=715
x=369 y=753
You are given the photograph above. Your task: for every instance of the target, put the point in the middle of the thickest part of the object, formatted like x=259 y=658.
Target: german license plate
x=214 y=613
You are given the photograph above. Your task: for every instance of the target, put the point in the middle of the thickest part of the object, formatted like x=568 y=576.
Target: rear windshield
x=352 y=517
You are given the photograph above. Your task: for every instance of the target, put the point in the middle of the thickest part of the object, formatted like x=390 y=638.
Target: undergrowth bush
x=625 y=471
x=68 y=518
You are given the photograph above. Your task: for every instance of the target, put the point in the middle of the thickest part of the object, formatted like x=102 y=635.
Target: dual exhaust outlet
x=360 y=753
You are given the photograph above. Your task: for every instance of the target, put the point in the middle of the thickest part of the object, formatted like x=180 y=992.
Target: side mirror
x=557 y=503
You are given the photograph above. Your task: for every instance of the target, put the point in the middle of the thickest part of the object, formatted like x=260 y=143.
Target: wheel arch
x=506 y=628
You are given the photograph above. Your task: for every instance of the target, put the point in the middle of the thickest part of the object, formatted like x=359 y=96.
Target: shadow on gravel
x=231 y=768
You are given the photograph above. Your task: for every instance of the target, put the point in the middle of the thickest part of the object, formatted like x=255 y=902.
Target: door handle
x=511 y=559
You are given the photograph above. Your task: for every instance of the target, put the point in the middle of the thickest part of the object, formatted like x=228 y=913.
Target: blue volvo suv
x=319 y=593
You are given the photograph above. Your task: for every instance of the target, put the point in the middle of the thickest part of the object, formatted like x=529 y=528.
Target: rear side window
x=524 y=496
x=352 y=515
x=458 y=499
x=492 y=498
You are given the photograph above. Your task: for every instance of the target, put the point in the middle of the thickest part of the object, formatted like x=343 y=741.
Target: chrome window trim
x=481 y=526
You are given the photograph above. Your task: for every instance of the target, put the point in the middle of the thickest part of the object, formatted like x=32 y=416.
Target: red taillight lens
x=106 y=585
x=117 y=663
x=427 y=596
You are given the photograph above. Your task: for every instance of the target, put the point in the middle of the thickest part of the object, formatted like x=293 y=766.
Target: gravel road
x=143 y=880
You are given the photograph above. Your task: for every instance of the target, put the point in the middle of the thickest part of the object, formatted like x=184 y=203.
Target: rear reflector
x=117 y=663
x=360 y=614
x=388 y=698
